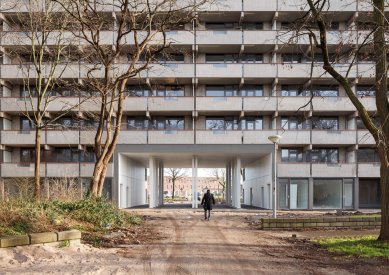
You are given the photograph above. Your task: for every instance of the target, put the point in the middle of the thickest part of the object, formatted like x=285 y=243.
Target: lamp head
x=275 y=139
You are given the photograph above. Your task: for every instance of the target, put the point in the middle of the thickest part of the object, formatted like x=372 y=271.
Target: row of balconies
x=289 y=137
x=342 y=170
x=333 y=170
x=230 y=5
x=203 y=71
x=203 y=37
x=199 y=104
x=69 y=170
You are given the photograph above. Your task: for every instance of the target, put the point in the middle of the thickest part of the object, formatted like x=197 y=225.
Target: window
x=292 y=155
x=27 y=155
x=252 y=123
x=294 y=123
x=286 y=25
x=291 y=58
x=327 y=193
x=221 y=123
x=221 y=91
x=27 y=92
x=138 y=91
x=361 y=125
x=292 y=90
x=324 y=155
x=369 y=193
x=87 y=155
x=169 y=123
x=367 y=155
x=365 y=90
x=251 y=58
x=365 y=57
x=325 y=123
x=222 y=26
x=293 y=193
x=233 y=58
x=251 y=90
x=318 y=58
x=67 y=154
x=170 y=91
x=137 y=123
x=26 y=124
x=252 y=26
x=325 y=91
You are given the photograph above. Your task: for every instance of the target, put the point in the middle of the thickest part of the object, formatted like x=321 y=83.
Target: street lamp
x=275 y=139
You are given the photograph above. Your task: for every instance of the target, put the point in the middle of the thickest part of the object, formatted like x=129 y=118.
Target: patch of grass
x=93 y=217
x=364 y=246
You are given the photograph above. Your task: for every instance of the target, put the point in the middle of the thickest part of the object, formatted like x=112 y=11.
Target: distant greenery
x=92 y=216
x=364 y=246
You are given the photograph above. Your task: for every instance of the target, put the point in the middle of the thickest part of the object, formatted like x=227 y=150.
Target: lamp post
x=275 y=139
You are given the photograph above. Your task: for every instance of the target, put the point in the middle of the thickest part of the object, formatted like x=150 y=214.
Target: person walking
x=207 y=202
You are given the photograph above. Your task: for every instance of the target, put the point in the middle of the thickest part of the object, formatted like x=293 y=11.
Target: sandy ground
x=227 y=244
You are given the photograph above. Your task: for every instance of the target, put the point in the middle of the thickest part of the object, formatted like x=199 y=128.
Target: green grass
x=363 y=246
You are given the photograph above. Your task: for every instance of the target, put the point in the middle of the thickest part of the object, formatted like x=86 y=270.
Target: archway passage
x=140 y=171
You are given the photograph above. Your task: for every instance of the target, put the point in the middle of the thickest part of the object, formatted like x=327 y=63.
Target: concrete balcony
x=332 y=104
x=92 y=104
x=171 y=70
x=260 y=70
x=19 y=38
x=334 y=170
x=88 y=137
x=20 y=137
x=61 y=169
x=222 y=5
x=217 y=104
x=66 y=137
x=16 y=170
x=366 y=70
x=264 y=103
x=289 y=137
x=86 y=169
x=170 y=104
x=132 y=137
x=259 y=5
x=57 y=104
x=333 y=37
x=345 y=137
x=13 y=71
x=221 y=70
x=294 y=170
x=134 y=103
x=259 y=37
x=299 y=5
x=369 y=103
x=219 y=37
x=365 y=138
x=171 y=137
x=16 y=104
x=292 y=103
x=219 y=137
x=369 y=170
x=303 y=70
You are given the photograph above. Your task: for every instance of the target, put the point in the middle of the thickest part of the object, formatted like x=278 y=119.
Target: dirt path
x=227 y=244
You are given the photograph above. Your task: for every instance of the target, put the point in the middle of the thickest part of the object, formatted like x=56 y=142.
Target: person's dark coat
x=207 y=201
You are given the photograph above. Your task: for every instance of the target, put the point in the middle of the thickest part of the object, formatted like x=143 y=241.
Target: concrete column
x=194 y=182
x=2 y=191
x=152 y=183
x=229 y=184
x=310 y=193
x=238 y=180
x=356 y=193
x=233 y=183
x=161 y=182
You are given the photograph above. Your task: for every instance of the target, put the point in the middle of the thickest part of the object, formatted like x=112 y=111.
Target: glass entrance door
x=293 y=194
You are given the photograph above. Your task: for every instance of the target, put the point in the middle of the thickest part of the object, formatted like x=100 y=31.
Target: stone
x=10 y=241
x=69 y=235
x=47 y=237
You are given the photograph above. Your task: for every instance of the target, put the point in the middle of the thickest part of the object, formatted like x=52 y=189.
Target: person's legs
x=209 y=213
x=205 y=213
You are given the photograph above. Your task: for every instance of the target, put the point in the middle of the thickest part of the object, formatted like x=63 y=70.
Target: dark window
x=325 y=123
x=222 y=26
x=170 y=91
x=27 y=155
x=292 y=90
x=251 y=90
x=221 y=91
x=67 y=154
x=252 y=26
x=292 y=155
x=367 y=155
x=252 y=123
x=251 y=58
x=294 y=123
x=137 y=123
x=365 y=90
x=169 y=123
x=221 y=123
x=26 y=124
x=291 y=58
x=138 y=91
x=326 y=91
x=87 y=155
x=325 y=155
x=361 y=125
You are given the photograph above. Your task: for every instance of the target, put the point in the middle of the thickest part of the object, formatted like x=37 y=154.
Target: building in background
x=230 y=83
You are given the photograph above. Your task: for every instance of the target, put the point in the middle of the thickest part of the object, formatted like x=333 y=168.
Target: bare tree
x=140 y=30
x=315 y=23
x=43 y=53
x=220 y=178
x=174 y=175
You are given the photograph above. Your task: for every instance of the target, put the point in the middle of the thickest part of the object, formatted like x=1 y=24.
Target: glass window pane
x=298 y=194
x=283 y=195
x=327 y=194
x=348 y=194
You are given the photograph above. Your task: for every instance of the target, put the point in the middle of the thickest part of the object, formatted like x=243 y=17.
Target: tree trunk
x=37 y=164
x=102 y=180
x=384 y=183
x=94 y=187
x=173 y=183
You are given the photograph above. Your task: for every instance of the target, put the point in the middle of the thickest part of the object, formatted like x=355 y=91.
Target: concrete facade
x=233 y=89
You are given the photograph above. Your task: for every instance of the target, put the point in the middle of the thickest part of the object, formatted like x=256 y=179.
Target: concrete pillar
x=194 y=182
x=310 y=194
x=229 y=185
x=161 y=182
x=233 y=182
x=153 y=191
x=356 y=193
x=2 y=190
x=238 y=181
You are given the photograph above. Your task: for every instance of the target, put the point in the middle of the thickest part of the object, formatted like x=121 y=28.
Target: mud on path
x=229 y=243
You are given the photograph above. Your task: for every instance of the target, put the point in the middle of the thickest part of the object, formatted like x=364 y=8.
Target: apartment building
x=231 y=81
